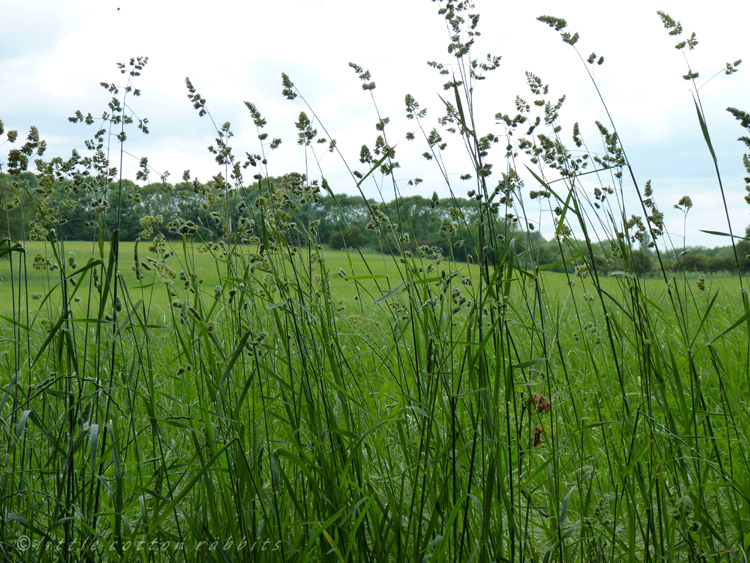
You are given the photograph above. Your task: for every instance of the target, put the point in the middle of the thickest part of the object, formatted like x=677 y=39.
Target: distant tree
x=344 y=238
x=20 y=205
x=694 y=262
x=722 y=264
x=642 y=262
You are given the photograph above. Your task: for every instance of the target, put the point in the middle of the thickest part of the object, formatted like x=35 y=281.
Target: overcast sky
x=54 y=54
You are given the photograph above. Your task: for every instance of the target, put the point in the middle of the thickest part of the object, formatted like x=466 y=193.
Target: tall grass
x=443 y=411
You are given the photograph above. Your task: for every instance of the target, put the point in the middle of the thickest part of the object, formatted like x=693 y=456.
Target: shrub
x=347 y=238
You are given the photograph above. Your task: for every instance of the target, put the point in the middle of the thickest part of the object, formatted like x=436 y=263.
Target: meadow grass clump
x=242 y=392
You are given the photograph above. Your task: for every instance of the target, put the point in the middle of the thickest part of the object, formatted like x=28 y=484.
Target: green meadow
x=368 y=275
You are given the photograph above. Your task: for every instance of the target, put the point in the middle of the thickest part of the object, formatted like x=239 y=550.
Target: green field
x=384 y=270
x=391 y=402
x=237 y=399
x=378 y=273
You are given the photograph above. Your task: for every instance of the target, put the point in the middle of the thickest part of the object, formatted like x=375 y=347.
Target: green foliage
x=351 y=237
x=226 y=388
x=642 y=262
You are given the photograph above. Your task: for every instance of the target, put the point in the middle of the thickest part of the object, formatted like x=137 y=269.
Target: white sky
x=54 y=54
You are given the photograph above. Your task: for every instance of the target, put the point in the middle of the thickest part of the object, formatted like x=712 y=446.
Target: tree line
x=339 y=220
